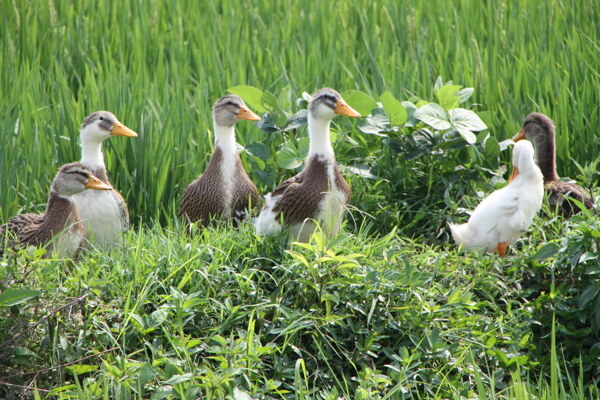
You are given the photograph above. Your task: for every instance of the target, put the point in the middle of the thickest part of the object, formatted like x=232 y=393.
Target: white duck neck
x=225 y=139
x=320 y=140
x=91 y=153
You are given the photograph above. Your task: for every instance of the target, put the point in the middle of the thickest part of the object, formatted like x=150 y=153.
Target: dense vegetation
x=389 y=309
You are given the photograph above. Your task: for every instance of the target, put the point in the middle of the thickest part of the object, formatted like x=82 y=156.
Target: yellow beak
x=95 y=183
x=519 y=136
x=342 y=108
x=245 y=113
x=121 y=130
x=515 y=173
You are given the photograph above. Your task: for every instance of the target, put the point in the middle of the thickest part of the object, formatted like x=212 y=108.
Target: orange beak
x=245 y=113
x=121 y=130
x=342 y=108
x=515 y=173
x=95 y=183
x=519 y=136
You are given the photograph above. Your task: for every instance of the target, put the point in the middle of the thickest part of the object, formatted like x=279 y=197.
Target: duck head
x=523 y=159
x=100 y=125
x=74 y=178
x=327 y=103
x=231 y=108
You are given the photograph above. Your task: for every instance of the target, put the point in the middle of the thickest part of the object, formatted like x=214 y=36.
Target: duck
x=104 y=214
x=500 y=219
x=319 y=192
x=224 y=190
x=539 y=129
x=60 y=227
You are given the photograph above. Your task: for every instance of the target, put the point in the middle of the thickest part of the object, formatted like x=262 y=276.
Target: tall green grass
x=160 y=65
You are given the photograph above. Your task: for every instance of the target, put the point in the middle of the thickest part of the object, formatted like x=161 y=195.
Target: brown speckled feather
x=204 y=199
x=559 y=193
x=303 y=194
x=39 y=229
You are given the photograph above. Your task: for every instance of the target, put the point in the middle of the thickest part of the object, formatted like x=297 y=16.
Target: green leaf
x=588 y=295
x=447 y=97
x=251 y=96
x=12 y=297
x=360 y=101
x=467 y=135
x=259 y=150
x=393 y=108
x=146 y=373
x=22 y=351
x=79 y=369
x=175 y=379
x=466 y=119
x=297 y=120
x=465 y=94
x=546 y=251
x=433 y=115
x=239 y=394
x=270 y=102
x=292 y=154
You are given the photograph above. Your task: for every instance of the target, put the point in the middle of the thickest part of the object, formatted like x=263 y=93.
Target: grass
x=390 y=309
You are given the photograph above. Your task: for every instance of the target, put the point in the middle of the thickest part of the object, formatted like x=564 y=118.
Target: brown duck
x=319 y=192
x=60 y=227
x=224 y=190
x=539 y=129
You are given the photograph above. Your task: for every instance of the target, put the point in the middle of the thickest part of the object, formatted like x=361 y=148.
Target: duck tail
x=461 y=233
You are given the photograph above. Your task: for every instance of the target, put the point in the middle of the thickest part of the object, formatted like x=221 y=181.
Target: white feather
x=506 y=213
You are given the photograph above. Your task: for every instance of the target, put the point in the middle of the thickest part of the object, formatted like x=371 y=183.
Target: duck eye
x=101 y=118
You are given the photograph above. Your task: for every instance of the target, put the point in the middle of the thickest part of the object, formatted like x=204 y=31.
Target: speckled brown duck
x=539 y=129
x=224 y=190
x=60 y=227
x=319 y=192
x=104 y=214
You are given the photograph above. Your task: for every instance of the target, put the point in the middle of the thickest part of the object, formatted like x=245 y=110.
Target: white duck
x=319 y=192
x=502 y=216
x=104 y=214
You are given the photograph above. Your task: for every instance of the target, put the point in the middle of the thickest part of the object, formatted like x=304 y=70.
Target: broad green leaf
x=492 y=148
x=447 y=97
x=239 y=394
x=360 y=101
x=433 y=115
x=251 y=96
x=259 y=150
x=393 y=108
x=466 y=119
x=12 y=297
x=375 y=124
x=292 y=155
x=465 y=94
x=80 y=369
x=146 y=373
x=175 y=379
x=297 y=120
x=438 y=84
x=546 y=251
x=588 y=295
x=467 y=135
x=22 y=351
x=270 y=102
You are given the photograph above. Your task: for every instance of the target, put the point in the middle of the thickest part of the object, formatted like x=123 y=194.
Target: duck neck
x=545 y=157
x=91 y=153
x=59 y=211
x=320 y=140
x=225 y=139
